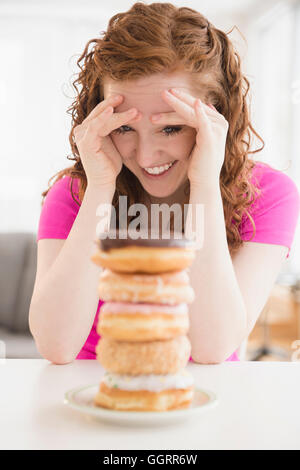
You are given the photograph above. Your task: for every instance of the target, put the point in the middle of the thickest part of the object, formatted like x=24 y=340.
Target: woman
x=196 y=152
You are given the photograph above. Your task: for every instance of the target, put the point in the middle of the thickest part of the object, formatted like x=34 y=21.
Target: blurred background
x=40 y=42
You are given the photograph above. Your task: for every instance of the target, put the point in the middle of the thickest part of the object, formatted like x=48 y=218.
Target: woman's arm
x=65 y=298
x=218 y=314
x=230 y=294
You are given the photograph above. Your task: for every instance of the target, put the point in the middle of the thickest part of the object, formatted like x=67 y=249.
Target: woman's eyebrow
x=156 y=125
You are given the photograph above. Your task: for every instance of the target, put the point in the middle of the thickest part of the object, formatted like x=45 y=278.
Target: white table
x=259 y=408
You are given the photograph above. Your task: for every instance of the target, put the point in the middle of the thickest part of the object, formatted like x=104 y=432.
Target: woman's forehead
x=146 y=92
x=153 y=84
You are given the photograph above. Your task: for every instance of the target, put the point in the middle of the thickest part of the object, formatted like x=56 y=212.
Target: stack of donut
x=144 y=322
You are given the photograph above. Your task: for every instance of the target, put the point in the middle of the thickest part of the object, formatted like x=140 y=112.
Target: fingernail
x=136 y=117
x=108 y=110
x=132 y=111
x=156 y=117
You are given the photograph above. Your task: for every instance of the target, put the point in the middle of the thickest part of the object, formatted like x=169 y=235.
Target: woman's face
x=145 y=146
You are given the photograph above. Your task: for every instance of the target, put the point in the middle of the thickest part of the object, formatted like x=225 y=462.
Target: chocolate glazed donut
x=142 y=255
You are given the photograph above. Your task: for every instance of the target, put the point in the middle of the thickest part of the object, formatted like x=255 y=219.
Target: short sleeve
x=59 y=210
x=275 y=212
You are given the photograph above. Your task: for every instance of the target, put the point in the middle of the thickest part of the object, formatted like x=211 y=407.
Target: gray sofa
x=18 y=255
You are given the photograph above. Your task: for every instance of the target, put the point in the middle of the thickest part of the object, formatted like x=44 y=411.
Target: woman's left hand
x=207 y=156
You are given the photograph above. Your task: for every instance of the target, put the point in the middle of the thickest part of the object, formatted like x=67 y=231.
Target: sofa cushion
x=18 y=258
x=17 y=345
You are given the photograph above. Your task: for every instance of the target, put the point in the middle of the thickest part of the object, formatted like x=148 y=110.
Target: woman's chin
x=165 y=195
x=159 y=190
x=160 y=195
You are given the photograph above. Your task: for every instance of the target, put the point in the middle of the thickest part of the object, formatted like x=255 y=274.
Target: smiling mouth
x=159 y=170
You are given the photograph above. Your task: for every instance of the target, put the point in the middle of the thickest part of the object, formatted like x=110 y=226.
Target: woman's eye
x=121 y=130
x=171 y=130
x=174 y=130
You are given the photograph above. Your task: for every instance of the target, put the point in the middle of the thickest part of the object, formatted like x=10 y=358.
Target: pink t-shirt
x=275 y=214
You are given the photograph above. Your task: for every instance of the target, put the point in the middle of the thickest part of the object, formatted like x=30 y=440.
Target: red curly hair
x=162 y=38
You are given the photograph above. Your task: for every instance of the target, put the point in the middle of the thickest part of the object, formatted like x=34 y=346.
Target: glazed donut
x=145 y=392
x=165 y=288
x=126 y=321
x=145 y=255
x=151 y=357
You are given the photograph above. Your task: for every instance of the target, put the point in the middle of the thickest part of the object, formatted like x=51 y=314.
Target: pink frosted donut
x=144 y=308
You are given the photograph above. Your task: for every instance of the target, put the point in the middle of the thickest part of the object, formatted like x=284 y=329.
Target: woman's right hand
x=101 y=160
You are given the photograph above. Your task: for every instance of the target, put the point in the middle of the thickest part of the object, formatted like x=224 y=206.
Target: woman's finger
x=173 y=118
x=104 y=124
x=114 y=101
x=190 y=100
x=182 y=109
x=168 y=118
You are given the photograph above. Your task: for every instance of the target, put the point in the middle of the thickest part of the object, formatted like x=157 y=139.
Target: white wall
x=37 y=64
x=273 y=62
x=39 y=45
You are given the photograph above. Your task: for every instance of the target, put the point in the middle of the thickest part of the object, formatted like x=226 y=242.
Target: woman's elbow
x=209 y=357
x=57 y=359
x=57 y=356
x=50 y=350
x=206 y=361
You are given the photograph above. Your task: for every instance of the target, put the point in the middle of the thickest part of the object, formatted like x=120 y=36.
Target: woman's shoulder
x=267 y=178
x=276 y=188
x=59 y=209
x=275 y=210
x=64 y=187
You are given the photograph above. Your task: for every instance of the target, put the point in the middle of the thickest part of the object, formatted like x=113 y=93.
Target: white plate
x=82 y=399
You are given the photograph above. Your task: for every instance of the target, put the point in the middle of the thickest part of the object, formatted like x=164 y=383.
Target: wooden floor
x=279 y=351
x=277 y=328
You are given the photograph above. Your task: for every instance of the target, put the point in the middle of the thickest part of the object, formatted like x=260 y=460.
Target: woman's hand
x=208 y=154
x=100 y=158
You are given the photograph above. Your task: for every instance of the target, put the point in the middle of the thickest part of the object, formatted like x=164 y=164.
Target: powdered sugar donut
x=146 y=392
x=126 y=321
x=140 y=358
x=165 y=288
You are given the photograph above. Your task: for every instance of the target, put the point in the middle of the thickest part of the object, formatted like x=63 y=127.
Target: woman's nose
x=145 y=162
x=146 y=156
